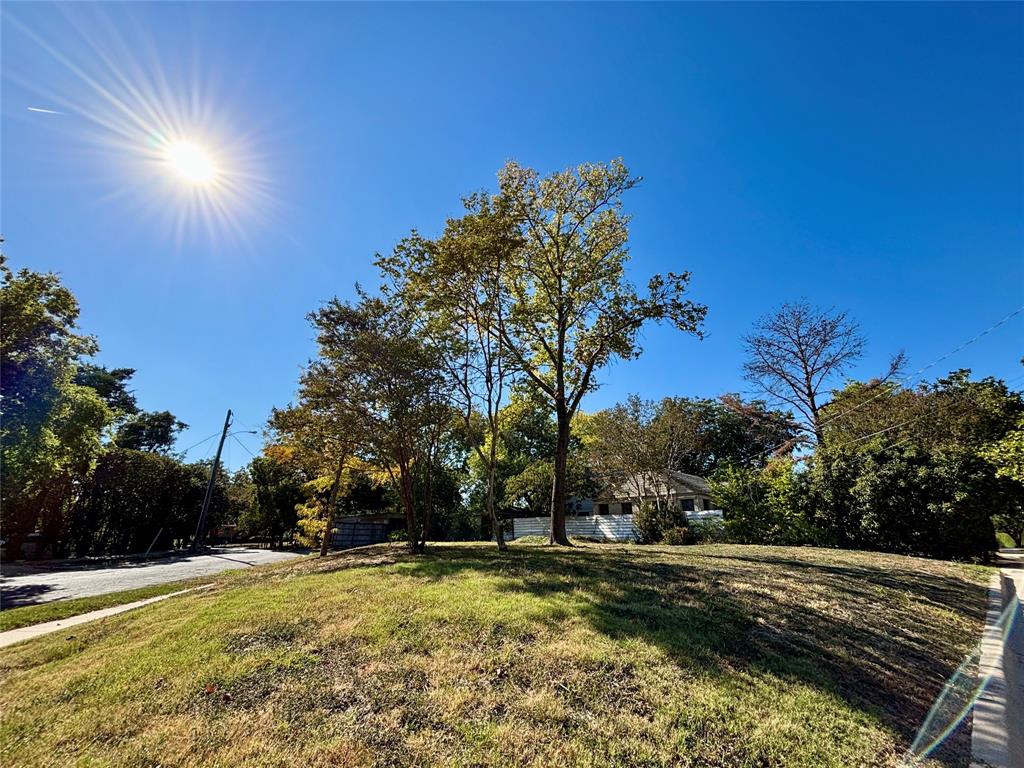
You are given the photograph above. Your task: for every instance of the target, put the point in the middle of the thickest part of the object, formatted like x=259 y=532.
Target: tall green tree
x=152 y=431
x=277 y=486
x=456 y=285
x=51 y=427
x=568 y=307
x=111 y=384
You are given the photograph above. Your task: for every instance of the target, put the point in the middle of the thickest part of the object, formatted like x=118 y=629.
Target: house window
x=602 y=509
x=687 y=505
x=627 y=508
x=707 y=505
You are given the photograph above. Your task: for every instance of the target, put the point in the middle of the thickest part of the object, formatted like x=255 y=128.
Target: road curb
x=997 y=736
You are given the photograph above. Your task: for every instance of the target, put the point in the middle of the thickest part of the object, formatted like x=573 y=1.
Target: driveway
x=26 y=584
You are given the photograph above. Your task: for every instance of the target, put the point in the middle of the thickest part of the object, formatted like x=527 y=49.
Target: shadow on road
x=23 y=594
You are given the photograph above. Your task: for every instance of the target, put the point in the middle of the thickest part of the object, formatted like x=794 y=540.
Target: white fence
x=612 y=527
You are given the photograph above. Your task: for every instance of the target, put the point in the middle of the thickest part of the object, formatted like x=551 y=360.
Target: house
x=611 y=515
x=669 y=489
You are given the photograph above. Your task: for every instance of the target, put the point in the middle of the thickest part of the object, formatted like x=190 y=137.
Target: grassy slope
x=603 y=655
x=12 y=618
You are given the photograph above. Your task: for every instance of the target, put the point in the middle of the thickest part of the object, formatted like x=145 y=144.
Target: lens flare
x=959 y=696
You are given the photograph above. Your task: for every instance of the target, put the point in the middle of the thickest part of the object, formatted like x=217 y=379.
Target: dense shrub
x=1005 y=540
x=762 y=506
x=653 y=524
x=708 y=532
x=906 y=500
x=677 y=535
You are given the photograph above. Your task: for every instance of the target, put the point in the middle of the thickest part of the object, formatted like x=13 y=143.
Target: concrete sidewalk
x=13 y=636
x=997 y=736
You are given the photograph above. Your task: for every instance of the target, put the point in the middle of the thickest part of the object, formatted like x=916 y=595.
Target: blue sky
x=868 y=157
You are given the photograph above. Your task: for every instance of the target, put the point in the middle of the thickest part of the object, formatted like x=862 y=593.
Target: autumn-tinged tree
x=797 y=353
x=455 y=286
x=568 y=309
x=321 y=434
x=377 y=369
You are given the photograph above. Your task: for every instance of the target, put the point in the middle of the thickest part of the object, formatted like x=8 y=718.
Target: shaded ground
x=28 y=584
x=601 y=655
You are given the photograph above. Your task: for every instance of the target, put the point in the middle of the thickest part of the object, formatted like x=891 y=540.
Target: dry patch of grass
x=599 y=656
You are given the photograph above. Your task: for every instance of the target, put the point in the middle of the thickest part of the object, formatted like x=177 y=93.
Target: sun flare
x=190 y=161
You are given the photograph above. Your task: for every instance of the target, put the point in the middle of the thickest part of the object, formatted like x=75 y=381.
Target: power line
x=918 y=372
x=232 y=435
x=902 y=381
x=200 y=442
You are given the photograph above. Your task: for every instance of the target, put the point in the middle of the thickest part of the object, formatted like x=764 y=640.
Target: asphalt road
x=26 y=584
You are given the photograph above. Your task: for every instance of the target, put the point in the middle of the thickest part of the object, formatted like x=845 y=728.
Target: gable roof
x=655 y=484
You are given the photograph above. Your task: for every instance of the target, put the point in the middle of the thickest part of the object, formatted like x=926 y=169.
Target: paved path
x=25 y=584
x=997 y=739
x=12 y=636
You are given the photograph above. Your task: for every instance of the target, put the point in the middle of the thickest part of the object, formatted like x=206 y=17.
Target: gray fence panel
x=358 y=534
x=611 y=527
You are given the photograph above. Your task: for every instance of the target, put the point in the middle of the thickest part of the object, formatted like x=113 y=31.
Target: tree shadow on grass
x=883 y=640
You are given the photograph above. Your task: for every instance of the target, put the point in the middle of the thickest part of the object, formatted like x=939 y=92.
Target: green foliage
x=952 y=411
x=1005 y=540
x=132 y=498
x=695 y=436
x=278 y=488
x=51 y=427
x=111 y=385
x=656 y=524
x=678 y=535
x=1007 y=453
x=761 y=506
x=919 y=470
x=152 y=431
x=906 y=500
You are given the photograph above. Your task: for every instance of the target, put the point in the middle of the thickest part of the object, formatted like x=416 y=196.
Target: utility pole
x=201 y=525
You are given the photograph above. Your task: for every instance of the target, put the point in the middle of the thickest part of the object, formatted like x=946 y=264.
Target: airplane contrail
x=45 y=111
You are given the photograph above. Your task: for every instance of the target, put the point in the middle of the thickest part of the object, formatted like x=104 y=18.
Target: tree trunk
x=331 y=501
x=819 y=434
x=558 y=487
x=408 y=505
x=495 y=524
x=428 y=508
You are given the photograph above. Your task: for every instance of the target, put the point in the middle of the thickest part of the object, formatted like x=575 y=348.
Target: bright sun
x=190 y=161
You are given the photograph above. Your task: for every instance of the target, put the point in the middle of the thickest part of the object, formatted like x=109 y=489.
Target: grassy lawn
x=13 y=618
x=599 y=656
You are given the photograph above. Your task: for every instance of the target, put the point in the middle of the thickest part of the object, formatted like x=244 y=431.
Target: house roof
x=654 y=484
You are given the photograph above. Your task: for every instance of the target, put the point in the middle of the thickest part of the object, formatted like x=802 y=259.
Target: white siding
x=613 y=527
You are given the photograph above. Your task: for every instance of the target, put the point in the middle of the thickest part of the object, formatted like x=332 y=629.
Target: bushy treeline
x=926 y=479
x=134 y=500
